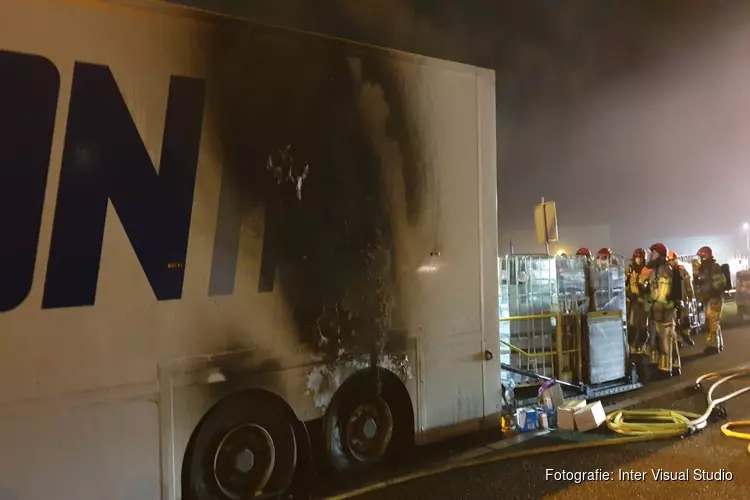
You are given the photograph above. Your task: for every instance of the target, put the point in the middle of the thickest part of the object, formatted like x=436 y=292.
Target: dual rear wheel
x=250 y=444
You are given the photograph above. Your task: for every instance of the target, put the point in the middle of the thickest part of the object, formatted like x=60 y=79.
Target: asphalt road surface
x=709 y=450
x=527 y=478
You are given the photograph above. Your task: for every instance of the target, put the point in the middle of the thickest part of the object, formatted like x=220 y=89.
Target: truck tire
x=364 y=429
x=244 y=447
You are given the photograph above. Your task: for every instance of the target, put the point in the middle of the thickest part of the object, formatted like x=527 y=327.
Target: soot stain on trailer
x=283 y=102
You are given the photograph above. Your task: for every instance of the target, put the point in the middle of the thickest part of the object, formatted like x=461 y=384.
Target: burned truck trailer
x=220 y=238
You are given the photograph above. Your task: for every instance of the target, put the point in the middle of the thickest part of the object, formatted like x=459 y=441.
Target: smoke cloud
x=626 y=112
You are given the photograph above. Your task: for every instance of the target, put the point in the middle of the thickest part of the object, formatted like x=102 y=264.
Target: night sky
x=634 y=113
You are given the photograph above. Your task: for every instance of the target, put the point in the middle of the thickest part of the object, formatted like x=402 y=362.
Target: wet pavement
x=526 y=477
x=533 y=477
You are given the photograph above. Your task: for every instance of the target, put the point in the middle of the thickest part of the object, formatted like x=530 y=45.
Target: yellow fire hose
x=725 y=429
x=667 y=423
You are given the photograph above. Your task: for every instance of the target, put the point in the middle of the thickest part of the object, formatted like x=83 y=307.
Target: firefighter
x=636 y=302
x=584 y=252
x=662 y=311
x=710 y=283
x=604 y=253
x=682 y=294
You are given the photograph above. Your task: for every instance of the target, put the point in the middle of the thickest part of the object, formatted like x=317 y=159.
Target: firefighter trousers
x=637 y=327
x=682 y=312
x=714 y=338
x=665 y=352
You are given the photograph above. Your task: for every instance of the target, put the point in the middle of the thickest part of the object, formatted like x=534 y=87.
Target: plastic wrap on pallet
x=571 y=284
x=606 y=349
x=608 y=283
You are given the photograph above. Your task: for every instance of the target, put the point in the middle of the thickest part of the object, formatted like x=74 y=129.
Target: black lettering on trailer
x=29 y=87
x=104 y=158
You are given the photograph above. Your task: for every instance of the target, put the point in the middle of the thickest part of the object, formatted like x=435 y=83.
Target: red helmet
x=584 y=251
x=604 y=252
x=705 y=253
x=639 y=252
x=659 y=248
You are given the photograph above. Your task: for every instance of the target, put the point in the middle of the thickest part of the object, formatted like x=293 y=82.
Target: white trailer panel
x=130 y=303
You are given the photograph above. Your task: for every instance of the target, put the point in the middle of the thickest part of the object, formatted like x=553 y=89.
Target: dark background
x=627 y=112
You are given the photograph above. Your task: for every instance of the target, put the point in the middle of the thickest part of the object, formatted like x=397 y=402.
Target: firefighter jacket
x=659 y=297
x=683 y=289
x=635 y=283
x=710 y=281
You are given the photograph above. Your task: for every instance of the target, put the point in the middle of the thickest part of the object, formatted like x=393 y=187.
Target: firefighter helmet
x=584 y=251
x=639 y=252
x=659 y=248
x=603 y=253
x=705 y=253
x=671 y=255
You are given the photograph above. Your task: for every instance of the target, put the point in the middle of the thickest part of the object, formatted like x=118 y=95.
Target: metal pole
x=546 y=234
x=747 y=242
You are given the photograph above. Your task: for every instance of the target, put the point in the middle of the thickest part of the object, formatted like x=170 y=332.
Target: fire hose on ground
x=661 y=424
x=674 y=423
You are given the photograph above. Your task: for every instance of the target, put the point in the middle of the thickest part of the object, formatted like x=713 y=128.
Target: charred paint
x=324 y=380
x=329 y=245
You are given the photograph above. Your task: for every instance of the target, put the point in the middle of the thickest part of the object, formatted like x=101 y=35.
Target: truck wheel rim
x=244 y=461
x=368 y=430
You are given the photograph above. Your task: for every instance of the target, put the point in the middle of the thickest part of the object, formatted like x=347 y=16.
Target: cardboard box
x=526 y=420
x=590 y=416
x=566 y=414
x=552 y=397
